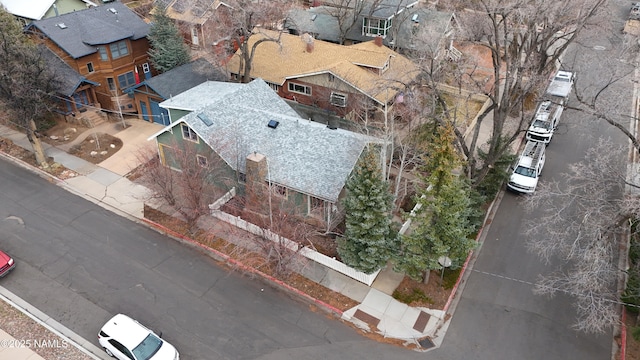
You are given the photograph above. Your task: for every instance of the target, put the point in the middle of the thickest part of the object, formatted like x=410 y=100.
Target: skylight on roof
x=62 y=25
x=205 y=119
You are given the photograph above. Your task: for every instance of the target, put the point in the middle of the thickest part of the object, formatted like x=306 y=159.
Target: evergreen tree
x=446 y=217
x=167 y=47
x=368 y=241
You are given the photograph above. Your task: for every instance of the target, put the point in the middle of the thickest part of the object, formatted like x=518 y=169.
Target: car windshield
x=525 y=171
x=148 y=347
x=542 y=124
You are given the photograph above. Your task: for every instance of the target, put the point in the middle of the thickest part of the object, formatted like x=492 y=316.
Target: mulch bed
x=295 y=280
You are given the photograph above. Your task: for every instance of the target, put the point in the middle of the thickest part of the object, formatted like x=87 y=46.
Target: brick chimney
x=256 y=173
x=378 y=40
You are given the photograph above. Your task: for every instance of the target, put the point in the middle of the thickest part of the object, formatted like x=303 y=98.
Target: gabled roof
x=302 y=155
x=28 y=9
x=183 y=78
x=69 y=79
x=289 y=59
x=316 y=20
x=200 y=96
x=78 y=33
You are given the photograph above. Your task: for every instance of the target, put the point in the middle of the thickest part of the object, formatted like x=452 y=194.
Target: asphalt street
x=499 y=292
x=81 y=264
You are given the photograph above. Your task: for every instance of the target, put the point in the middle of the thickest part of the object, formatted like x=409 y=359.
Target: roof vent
x=62 y=25
x=113 y=10
x=273 y=124
x=205 y=119
x=313 y=17
x=414 y=18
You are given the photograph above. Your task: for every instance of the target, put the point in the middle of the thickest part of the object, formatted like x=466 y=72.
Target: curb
x=224 y=257
x=50 y=324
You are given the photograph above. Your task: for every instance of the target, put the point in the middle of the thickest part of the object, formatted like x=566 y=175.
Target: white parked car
x=126 y=339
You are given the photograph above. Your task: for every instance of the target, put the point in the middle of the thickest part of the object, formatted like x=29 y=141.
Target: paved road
x=498 y=316
x=80 y=264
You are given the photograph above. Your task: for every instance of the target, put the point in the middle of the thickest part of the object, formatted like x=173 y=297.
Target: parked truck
x=526 y=172
x=550 y=109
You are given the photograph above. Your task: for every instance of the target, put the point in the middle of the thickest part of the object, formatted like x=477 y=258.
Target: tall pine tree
x=368 y=241
x=167 y=47
x=445 y=219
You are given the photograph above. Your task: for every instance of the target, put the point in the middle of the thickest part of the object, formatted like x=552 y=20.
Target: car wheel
x=109 y=352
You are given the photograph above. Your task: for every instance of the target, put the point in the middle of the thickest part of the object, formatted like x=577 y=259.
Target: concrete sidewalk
x=106 y=185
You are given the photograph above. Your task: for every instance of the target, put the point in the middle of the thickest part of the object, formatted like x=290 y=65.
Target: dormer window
x=375 y=27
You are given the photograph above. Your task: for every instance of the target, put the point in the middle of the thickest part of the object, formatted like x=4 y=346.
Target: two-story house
x=360 y=81
x=106 y=44
x=401 y=24
x=257 y=137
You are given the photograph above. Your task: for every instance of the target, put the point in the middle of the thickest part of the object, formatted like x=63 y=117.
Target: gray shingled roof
x=68 y=78
x=84 y=30
x=324 y=24
x=302 y=155
x=183 y=78
x=432 y=26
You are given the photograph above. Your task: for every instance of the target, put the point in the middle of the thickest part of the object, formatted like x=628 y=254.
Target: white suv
x=126 y=339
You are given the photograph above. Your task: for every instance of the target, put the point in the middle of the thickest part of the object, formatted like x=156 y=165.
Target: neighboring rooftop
x=78 y=33
x=28 y=9
x=276 y=62
x=183 y=78
x=302 y=155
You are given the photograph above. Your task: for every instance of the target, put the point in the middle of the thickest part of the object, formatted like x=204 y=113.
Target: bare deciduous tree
x=187 y=181
x=526 y=44
x=582 y=224
x=282 y=236
x=27 y=84
x=235 y=23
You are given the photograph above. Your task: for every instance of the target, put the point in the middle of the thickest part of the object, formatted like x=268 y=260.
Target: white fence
x=306 y=252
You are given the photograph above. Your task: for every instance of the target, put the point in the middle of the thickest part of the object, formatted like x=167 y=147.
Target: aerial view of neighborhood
x=319 y=179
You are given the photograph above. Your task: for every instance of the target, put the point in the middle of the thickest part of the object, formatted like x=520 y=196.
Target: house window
x=275 y=87
x=316 y=207
x=90 y=67
x=202 y=161
x=375 y=27
x=188 y=133
x=103 y=53
x=119 y=49
x=127 y=79
x=112 y=84
x=279 y=190
x=338 y=99
x=300 y=89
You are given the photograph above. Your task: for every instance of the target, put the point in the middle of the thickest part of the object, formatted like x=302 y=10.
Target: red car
x=6 y=263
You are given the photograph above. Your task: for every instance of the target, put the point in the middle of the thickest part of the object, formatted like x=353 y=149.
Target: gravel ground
x=29 y=333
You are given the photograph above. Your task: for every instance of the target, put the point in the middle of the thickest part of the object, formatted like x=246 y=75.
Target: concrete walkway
x=106 y=185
